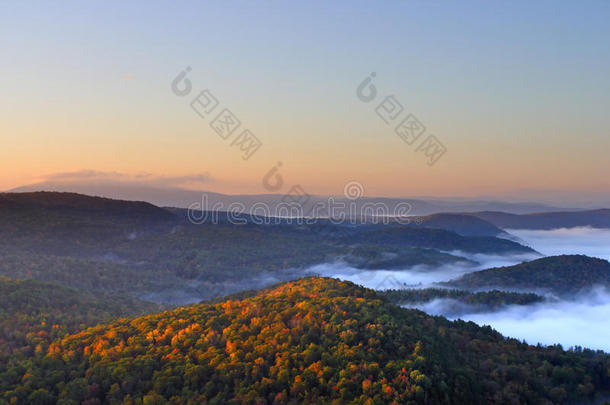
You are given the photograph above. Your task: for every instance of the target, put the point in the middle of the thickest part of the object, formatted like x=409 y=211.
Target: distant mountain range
x=129 y=246
x=136 y=247
x=183 y=198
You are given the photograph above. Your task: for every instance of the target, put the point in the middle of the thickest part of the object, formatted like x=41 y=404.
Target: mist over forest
x=578 y=321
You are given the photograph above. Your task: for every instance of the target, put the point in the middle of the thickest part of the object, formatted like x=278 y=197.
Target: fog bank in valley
x=420 y=276
x=582 y=322
x=583 y=240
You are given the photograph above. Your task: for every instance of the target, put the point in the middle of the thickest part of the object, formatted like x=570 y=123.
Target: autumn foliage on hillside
x=315 y=340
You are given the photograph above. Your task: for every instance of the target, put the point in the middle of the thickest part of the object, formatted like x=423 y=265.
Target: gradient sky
x=517 y=92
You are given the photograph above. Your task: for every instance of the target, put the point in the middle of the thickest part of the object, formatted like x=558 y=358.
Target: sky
x=516 y=92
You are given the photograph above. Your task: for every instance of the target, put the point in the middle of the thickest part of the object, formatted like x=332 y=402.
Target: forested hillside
x=563 y=275
x=463 y=224
x=33 y=314
x=315 y=340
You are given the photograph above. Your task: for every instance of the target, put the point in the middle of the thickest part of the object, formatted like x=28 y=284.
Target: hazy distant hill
x=549 y=220
x=567 y=274
x=463 y=224
x=74 y=224
x=311 y=341
x=73 y=205
x=183 y=198
x=441 y=239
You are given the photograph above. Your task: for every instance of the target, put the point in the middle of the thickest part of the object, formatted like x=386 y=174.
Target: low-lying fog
x=421 y=276
x=583 y=322
x=587 y=241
